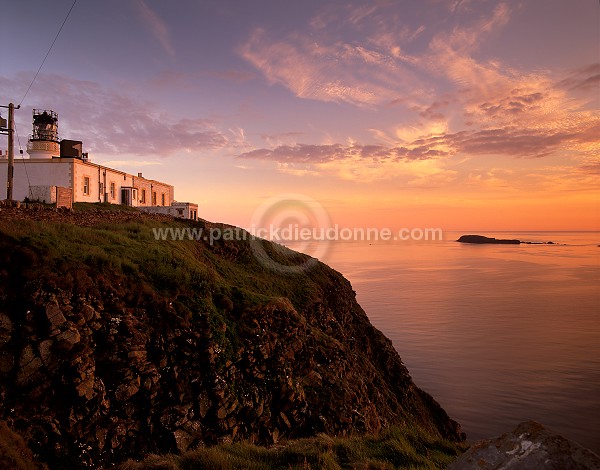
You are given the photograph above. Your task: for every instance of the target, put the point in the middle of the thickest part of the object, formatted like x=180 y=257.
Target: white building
x=185 y=210
x=53 y=164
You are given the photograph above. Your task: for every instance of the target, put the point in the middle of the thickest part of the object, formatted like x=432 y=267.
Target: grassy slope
x=391 y=449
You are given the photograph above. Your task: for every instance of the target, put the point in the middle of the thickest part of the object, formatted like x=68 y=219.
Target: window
x=153 y=198
x=162 y=197
x=86 y=185
x=112 y=190
x=100 y=189
x=143 y=200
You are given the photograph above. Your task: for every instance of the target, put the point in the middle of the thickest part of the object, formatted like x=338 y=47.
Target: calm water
x=497 y=334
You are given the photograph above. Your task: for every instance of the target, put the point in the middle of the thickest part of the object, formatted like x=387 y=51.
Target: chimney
x=140 y=175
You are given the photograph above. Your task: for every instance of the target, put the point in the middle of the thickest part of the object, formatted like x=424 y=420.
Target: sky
x=457 y=114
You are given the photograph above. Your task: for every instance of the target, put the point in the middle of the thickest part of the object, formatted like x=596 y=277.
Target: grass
x=167 y=265
x=393 y=448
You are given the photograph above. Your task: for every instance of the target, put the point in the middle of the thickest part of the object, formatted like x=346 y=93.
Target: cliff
x=114 y=344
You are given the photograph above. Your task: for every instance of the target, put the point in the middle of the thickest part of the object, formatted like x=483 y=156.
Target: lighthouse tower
x=44 y=142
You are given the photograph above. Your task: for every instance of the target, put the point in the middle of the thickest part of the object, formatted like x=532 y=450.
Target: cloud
x=507 y=111
x=133 y=163
x=530 y=143
x=317 y=154
x=583 y=79
x=506 y=141
x=329 y=63
x=592 y=168
x=488 y=110
x=112 y=123
x=468 y=38
x=230 y=75
x=157 y=26
x=335 y=72
x=275 y=140
x=450 y=56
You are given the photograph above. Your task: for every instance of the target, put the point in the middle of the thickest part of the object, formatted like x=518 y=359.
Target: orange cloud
x=332 y=71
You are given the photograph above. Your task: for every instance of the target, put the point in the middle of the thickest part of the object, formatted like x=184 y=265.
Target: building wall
x=151 y=192
x=90 y=182
x=86 y=180
x=184 y=210
x=46 y=194
x=34 y=172
x=64 y=197
x=187 y=210
x=164 y=210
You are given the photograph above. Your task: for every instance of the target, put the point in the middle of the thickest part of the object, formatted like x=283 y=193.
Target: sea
x=497 y=334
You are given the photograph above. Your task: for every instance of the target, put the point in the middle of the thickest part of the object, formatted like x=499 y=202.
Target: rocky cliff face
x=113 y=344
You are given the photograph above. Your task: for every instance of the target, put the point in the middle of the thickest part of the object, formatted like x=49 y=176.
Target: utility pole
x=10 y=130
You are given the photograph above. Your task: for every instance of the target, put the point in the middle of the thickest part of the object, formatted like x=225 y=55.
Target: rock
x=27 y=355
x=6 y=329
x=139 y=355
x=204 y=404
x=285 y=420
x=221 y=412
x=86 y=388
x=68 y=338
x=529 y=447
x=127 y=390
x=28 y=370
x=45 y=348
x=312 y=379
x=54 y=315
x=7 y=361
x=183 y=440
x=88 y=312
x=480 y=239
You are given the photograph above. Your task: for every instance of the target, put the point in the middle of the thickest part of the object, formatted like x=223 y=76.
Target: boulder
x=54 y=315
x=68 y=338
x=183 y=440
x=529 y=447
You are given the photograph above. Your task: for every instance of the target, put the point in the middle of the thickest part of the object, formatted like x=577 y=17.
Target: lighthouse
x=44 y=142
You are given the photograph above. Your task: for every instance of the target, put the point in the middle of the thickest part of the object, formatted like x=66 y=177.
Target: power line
x=48 y=53
x=17 y=133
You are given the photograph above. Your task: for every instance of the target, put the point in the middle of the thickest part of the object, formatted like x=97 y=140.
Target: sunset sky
x=459 y=114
